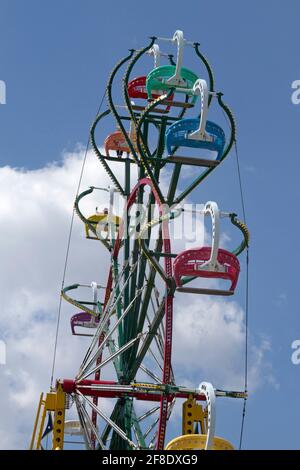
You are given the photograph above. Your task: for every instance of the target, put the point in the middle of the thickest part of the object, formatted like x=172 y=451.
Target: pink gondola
x=137 y=89
x=192 y=263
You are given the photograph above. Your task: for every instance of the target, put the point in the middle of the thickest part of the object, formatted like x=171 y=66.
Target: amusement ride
x=125 y=390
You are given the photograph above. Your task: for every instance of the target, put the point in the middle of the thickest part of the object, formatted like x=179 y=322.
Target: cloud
x=35 y=215
x=209 y=344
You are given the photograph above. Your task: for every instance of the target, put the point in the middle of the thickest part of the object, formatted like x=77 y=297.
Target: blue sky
x=55 y=58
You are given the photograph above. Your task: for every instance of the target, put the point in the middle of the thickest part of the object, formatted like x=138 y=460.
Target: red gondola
x=137 y=89
x=194 y=263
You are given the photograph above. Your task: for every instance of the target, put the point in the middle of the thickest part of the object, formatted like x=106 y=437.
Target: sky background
x=55 y=58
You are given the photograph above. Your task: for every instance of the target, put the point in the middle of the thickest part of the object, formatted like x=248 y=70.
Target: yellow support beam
x=193 y=413
x=59 y=419
x=41 y=402
x=53 y=403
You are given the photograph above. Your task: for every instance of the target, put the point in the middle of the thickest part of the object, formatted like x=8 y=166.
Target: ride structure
x=125 y=389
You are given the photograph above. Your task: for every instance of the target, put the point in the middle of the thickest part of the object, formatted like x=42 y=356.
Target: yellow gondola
x=101 y=221
x=197 y=442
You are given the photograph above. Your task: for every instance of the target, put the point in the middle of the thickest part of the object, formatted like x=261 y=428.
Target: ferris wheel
x=125 y=390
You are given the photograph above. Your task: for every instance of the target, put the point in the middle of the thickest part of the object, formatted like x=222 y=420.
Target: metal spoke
x=151 y=374
x=108 y=336
x=109 y=421
x=110 y=358
x=102 y=324
x=93 y=428
x=148 y=413
x=150 y=429
x=137 y=430
x=86 y=431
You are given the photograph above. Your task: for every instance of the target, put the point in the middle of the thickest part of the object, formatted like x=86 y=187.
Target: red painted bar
x=85 y=387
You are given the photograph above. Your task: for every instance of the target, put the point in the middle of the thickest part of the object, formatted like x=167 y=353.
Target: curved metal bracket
x=165 y=216
x=200 y=89
x=208 y=390
x=156 y=53
x=84 y=219
x=110 y=212
x=75 y=302
x=176 y=79
x=244 y=229
x=211 y=208
x=95 y=295
x=209 y=70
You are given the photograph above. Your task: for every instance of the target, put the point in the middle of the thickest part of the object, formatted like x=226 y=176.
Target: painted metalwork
x=128 y=361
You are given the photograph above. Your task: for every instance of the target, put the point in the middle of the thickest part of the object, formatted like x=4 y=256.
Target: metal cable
x=67 y=253
x=240 y=181
x=246 y=299
x=246 y=349
x=247 y=291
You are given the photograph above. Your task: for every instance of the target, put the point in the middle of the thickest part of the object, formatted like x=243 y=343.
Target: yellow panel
x=50 y=401
x=59 y=419
x=54 y=402
x=192 y=413
x=197 y=442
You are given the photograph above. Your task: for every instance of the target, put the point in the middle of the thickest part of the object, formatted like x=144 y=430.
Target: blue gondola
x=177 y=136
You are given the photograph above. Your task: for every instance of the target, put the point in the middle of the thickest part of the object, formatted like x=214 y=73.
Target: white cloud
x=35 y=213
x=209 y=344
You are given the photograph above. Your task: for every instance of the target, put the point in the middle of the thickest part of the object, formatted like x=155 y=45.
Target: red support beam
x=86 y=387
